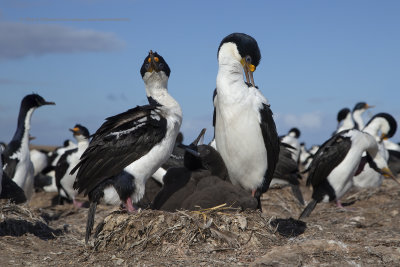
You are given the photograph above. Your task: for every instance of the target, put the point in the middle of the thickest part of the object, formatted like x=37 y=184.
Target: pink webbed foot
x=129 y=206
x=77 y=204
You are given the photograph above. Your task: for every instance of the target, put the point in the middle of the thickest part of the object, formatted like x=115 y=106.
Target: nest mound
x=209 y=230
x=17 y=220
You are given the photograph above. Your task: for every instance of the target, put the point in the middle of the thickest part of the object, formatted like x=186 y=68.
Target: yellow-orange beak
x=368 y=106
x=74 y=130
x=388 y=174
x=152 y=60
x=248 y=71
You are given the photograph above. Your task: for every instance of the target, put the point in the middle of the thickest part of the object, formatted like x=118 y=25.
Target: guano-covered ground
x=367 y=234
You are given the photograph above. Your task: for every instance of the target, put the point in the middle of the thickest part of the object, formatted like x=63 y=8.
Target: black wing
x=11 y=191
x=214 y=95
x=121 y=140
x=10 y=164
x=328 y=156
x=286 y=168
x=271 y=141
x=63 y=165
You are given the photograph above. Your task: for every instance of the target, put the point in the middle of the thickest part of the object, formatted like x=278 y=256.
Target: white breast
x=239 y=138
x=144 y=167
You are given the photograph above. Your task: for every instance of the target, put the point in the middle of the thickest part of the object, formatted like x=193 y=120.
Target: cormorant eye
x=146 y=65
x=248 y=59
x=161 y=65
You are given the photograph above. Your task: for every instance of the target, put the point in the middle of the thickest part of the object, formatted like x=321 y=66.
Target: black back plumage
x=286 y=168
x=271 y=141
x=10 y=190
x=327 y=158
x=63 y=165
x=121 y=140
x=10 y=164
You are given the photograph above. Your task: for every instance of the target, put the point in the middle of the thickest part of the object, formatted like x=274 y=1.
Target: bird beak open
x=248 y=71
x=199 y=140
x=388 y=173
x=152 y=60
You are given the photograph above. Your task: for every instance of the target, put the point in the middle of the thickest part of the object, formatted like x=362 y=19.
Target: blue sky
x=317 y=57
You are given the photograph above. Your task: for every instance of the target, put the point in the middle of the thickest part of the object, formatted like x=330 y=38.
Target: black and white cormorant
x=54 y=157
x=287 y=172
x=8 y=188
x=381 y=126
x=18 y=165
x=352 y=119
x=65 y=180
x=345 y=120
x=304 y=154
x=245 y=131
x=358 y=110
x=292 y=139
x=129 y=147
x=202 y=182
x=337 y=161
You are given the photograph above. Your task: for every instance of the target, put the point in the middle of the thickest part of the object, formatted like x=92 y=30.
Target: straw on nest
x=218 y=228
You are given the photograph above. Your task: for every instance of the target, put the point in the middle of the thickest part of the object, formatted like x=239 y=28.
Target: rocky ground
x=366 y=234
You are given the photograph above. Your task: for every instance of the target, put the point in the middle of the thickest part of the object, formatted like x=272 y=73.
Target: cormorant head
x=361 y=106
x=387 y=124
x=34 y=101
x=342 y=114
x=245 y=50
x=154 y=63
x=295 y=131
x=80 y=132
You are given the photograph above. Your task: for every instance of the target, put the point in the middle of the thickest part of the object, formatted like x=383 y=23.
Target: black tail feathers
x=307 y=211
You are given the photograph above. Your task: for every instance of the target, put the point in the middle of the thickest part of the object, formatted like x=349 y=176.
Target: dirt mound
x=367 y=233
x=18 y=220
x=204 y=230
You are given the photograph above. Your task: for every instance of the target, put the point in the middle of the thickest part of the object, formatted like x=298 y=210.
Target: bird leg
x=339 y=204
x=128 y=205
x=77 y=204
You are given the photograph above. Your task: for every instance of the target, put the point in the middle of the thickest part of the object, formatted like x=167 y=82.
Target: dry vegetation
x=367 y=234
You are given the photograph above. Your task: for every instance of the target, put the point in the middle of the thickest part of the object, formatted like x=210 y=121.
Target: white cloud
x=20 y=40
x=310 y=120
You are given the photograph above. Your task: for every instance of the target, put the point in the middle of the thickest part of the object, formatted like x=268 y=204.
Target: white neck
x=376 y=125
x=348 y=122
x=156 y=84
x=83 y=143
x=27 y=127
x=358 y=118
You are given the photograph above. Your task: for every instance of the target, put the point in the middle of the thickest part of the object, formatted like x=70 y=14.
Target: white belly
x=368 y=178
x=24 y=177
x=144 y=167
x=341 y=178
x=241 y=145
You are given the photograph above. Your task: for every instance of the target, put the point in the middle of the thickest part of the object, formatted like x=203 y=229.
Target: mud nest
x=18 y=220
x=214 y=229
